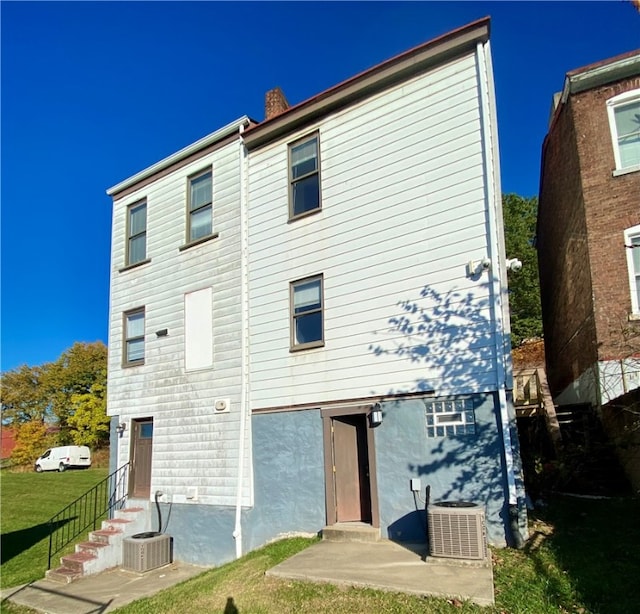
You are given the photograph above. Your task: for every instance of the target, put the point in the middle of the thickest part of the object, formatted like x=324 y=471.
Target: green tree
x=89 y=423
x=54 y=392
x=23 y=395
x=520 y=216
x=75 y=374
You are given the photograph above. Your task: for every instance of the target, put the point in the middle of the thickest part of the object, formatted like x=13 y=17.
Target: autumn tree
x=75 y=374
x=53 y=393
x=88 y=422
x=520 y=215
x=31 y=441
x=23 y=397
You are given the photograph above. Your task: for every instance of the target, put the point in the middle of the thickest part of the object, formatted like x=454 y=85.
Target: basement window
x=450 y=418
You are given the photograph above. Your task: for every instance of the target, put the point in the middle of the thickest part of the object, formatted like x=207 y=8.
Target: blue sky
x=92 y=93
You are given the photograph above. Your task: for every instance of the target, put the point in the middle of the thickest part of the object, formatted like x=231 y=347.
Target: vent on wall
x=457 y=530
x=221 y=406
x=145 y=551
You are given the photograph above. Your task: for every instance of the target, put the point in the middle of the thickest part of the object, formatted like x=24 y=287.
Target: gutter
x=244 y=351
x=498 y=270
x=205 y=141
x=435 y=52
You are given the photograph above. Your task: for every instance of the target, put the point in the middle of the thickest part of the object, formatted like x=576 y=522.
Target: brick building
x=589 y=237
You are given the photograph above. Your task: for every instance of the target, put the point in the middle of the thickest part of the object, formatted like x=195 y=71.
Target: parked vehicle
x=64 y=457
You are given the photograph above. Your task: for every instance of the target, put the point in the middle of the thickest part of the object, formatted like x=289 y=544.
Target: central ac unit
x=145 y=551
x=457 y=530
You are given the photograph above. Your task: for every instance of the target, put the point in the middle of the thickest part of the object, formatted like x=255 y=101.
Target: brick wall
x=583 y=212
x=611 y=205
x=563 y=258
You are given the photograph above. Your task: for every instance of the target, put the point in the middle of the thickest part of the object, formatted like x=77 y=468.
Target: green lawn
x=583 y=557
x=28 y=501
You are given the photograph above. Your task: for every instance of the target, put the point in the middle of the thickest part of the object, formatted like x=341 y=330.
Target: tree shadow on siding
x=452 y=336
x=436 y=330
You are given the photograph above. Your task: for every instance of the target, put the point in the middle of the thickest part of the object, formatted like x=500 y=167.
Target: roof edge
x=437 y=50
x=595 y=75
x=185 y=152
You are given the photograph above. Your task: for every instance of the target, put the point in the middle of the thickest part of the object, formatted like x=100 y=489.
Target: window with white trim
x=200 y=206
x=306 y=313
x=133 y=347
x=304 y=177
x=136 y=233
x=624 y=123
x=632 y=246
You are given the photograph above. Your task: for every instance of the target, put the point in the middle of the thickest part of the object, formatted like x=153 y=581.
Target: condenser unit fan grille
x=146 y=552
x=457 y=532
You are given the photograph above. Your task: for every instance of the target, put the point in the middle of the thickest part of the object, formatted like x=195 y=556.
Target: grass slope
x=583 y=557
x=28 y=501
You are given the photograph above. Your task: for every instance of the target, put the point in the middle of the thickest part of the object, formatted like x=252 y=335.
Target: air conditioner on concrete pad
x=457 y=530
x=146 y=551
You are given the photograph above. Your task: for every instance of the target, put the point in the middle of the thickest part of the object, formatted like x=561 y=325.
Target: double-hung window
x=304 y=177
x=624 y=122
x=306 y=296
x=200 y=206
x=632 y=244
x=133 y=338
x=136 y=233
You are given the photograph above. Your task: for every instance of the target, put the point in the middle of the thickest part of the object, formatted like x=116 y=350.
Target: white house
x=309 y=314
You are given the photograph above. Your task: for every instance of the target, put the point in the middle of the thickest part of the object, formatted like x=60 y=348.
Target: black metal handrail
x=101 y=500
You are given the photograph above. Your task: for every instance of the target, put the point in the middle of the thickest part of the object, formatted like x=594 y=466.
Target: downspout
x=244 y=319
x=498 y=278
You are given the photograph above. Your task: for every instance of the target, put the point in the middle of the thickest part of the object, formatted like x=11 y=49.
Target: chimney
x=274 y=103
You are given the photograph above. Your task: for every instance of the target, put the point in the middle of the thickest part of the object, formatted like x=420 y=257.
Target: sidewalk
x=390 y=566
x=100 y=593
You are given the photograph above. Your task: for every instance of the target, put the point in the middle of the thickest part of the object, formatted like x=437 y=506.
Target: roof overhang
x=419 y=59
x=596 y=75
x=203 y=143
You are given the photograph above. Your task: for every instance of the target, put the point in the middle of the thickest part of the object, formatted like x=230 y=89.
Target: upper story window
x=136 y=233
x=304 y=177
x=624 y=122
x=306 y=296
x=133 y=346
x=632 y=243
x=200 y=206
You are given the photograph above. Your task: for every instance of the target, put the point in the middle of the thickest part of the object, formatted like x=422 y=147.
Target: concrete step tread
x=63 y=575
x=131 y=510
x=117 y=521
x=92 y=545
x=351 y=532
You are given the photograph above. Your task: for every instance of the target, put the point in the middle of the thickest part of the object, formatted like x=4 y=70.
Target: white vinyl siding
x=181 y=402
x=404 y=208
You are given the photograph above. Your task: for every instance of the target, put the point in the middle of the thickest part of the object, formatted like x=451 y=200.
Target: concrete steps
x=351 y=532
x=103 y=549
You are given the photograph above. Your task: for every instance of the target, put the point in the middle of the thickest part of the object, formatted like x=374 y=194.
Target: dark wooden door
x=141 y=458
x=351 y=469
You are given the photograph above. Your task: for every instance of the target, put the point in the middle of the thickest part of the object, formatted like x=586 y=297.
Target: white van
x=59 y=459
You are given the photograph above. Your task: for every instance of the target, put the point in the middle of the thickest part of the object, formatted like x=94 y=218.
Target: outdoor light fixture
x=375 y=415
x=121 y=428
x=162 y=333
x=513 y=264
x=476 y=267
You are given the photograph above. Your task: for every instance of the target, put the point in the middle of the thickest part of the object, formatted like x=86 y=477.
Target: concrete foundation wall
x=290 y=490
